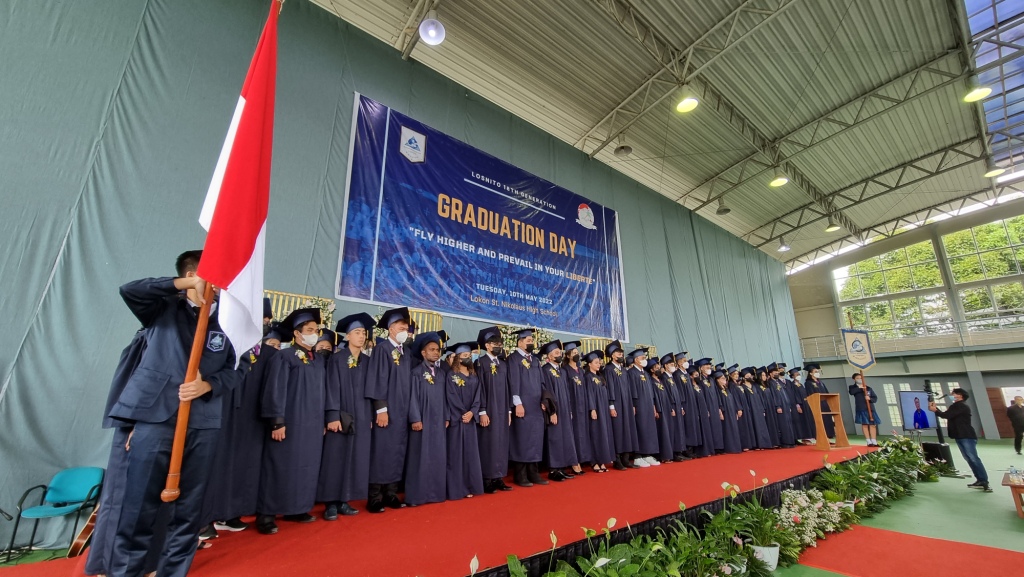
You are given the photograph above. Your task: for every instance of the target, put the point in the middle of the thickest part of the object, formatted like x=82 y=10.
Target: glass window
x=899 y=280
x=977 y=302
x=1009 y=297
x=999 y=263
x=960 y=242
x=856 y=313
x=890 y=392
x=923 y=251
x=848 y=289
x=966 y=268
x=873 y=284
x=906 y=312
x=895 y=416
x=894 y=258
x=927 y=275
x=990 y=236
x=1015 y=228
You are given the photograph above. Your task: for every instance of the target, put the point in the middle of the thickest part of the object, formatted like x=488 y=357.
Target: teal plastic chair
x=70 y=491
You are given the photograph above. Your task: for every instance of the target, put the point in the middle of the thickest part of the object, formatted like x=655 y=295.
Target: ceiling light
x=722 y=209
x=431 y=29
x=783 y=246
x=991 y=170
x=832 y=225
x=975 y=91
x=623 y=150
x=687 y=100
x=779 y=179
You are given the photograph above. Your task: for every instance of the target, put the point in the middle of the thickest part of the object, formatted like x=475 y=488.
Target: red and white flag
x=235 y=211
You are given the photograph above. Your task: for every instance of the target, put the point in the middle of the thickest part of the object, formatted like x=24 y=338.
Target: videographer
x=959 y=426
x=1016 y=415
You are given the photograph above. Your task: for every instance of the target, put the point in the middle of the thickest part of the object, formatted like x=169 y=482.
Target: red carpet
x=441 y=539
x=866 y=552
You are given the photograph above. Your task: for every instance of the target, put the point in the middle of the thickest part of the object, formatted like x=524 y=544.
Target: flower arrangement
x=428 y=377
x=494 y=369
x=396 y=356
x=808 y=515
x=302 y=357
x=326 y=307
x=508 y=336
x=352 y=361
x=459 y=381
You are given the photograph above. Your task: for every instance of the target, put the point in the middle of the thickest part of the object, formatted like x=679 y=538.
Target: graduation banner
x=433 y=223
x=858 y=349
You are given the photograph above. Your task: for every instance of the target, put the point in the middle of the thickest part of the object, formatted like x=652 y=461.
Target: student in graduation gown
x=730 y=414
x=495 y=410
x=293 y=405
x=663 y=410
x=755 y=410
x=816 y=385
x=388 y=386
x=783 y=407
x=345 y=465
x=526 y=441
x=737 y=391
x=429 y=418
x=624 y=421
x=599 y=421
x=798 y=393
x=687 y=400
x=702 y=414
x=559 y=446
x=643 y=404
x=711 y=396
x=581 y=404
x=676 y=394
x=465 y=478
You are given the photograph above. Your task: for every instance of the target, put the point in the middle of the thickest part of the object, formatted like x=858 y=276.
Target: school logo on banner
x=858 y=349
x=215 y=341
x=413 y=145
x=585 y=217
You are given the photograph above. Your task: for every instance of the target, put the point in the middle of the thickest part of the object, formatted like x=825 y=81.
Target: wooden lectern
x=832 y=400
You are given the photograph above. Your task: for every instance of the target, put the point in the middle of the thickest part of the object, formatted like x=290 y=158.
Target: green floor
x=949 y=510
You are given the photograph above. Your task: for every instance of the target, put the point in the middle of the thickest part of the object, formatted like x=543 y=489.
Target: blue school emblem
x=215 y=341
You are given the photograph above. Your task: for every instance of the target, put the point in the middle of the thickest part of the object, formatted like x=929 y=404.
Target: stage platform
x=441 y=539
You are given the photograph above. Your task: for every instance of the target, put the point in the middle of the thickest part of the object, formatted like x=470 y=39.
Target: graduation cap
x=268 y=311
x=299 y=317
x=762 y=370
x=654 y=362
x=612 y=347
x=329 y=336
x=702 y=362
x=277 y=332
x=443 y=335
x=720 y=366
x=589 y=357
x=693 y=370
x=353 y=322
x=570 y=345
x=680 y=357
x=489 y=335
x=636 y=353
x=772 y=367
x=422 y=341
x=669 y=358
x=748 y=371
x=732 y=369
x=523 y=333
x=393 y=316
x=780 y=364
x=459 y=348
x=550 y=346
x=412 y=326
x=717 y=374
x=812 y=367
x=794 y=370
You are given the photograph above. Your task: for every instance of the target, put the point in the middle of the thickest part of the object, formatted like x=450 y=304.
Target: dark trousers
x=379 y=492
x=147 y=462
x=1018 y=435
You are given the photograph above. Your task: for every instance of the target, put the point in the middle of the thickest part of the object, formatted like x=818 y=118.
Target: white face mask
x=401 y=337
x=670 y=370
x=310 y=340
x=643 y=363
x=814 y=375
x=686 y=365
x=706 y=371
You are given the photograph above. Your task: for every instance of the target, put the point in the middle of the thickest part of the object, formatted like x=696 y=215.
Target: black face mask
x=324 y=353
x=466 y=362
x=498 y=351
x=557 y=359
x=528 y=348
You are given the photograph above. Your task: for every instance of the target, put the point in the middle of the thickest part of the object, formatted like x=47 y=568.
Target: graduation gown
x=526 y=439
x=581 y=405
x=813 y=387
x=703 y=416
x=642 y=389
x=784 y=420
x=345 y=467
x=758 y=419
x=745 y=423
x=559 y=441
x=496 y=402
x=235 y=478
x=767 y=395
x=663 y=405
x=676 y=424
x=388 y=384
x=714 y=405
x=619 y=394
x=293 y=395
x=602 y=441
x=425 y=471
x=464 y=474
x=690 y=417
x=802 y=427
x=729 y=404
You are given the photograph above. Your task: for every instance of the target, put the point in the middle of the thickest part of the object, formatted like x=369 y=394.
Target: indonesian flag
x=235 y=211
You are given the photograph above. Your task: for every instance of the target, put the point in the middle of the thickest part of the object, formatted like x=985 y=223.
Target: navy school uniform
x=816 y=386
x=464 y=472
x=643 y=399
x=711 y=396
x=581 y=406
x=345 y=466
x=784 y=420
x=294 y=395
x=602 y=442
x=388 y=385
x=624 y=425
x=526 y=441
x=559 y=442
x=663 y=405
x=496 y=403
x=425 y=477
x=728 y=402
x=860 y=407
x=132 y=522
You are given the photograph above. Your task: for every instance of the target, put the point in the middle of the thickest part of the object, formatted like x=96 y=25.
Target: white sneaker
x=652 y=461
x=640 y=462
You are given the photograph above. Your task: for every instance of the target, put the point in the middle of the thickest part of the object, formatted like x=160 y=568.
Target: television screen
x=914 y=408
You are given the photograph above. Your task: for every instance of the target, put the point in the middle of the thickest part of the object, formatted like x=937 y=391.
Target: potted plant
x=760 y=528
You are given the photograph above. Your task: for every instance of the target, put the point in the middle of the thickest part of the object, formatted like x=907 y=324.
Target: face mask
x=670 y=370
x=706 y=372
x=466 y=362
x=686 y=365
x=814 y=375
x=310 y=340
x=498 y=351
x=401 y=337
x=643 y=363
x=528 y=348
x=324 y=353
x=557 y=359
x=858 y=382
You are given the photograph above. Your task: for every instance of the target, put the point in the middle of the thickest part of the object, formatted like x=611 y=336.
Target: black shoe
x=533 y=475
x=265 y=525
x=375 y=506
x=557 y=476
x=233 y=525
x=347 y=510
x=299 y=518
x=393 y=502
x=208 y=532
x=490 y=486
x=331 y=512
x=976 y=485
x=618 y=466
x=569 y=475
x=986 y=488
x=501 y=486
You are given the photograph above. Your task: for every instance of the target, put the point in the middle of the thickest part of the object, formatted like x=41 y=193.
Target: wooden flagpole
x=171 y=490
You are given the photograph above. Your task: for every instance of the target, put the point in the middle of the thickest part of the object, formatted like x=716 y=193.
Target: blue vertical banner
x=433 y=223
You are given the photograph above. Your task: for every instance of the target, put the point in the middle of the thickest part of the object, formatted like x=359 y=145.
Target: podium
x=832 y=402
